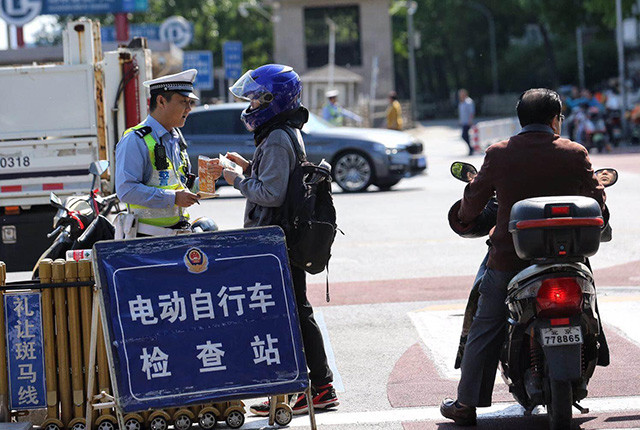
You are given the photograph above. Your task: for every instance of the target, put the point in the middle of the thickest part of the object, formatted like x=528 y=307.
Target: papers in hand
x=228 y=164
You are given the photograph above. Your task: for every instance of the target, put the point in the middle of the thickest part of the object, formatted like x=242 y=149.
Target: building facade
x=362 y=40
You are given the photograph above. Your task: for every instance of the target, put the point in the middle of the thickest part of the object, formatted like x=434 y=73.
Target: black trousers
x=466 y=138
x=319 y=371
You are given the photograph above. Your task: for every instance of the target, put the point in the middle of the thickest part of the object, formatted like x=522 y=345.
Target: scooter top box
x=559 y=227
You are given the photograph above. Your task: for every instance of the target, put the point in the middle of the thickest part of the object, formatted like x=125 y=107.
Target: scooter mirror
x=607 y=177
x=464 y=172
x=55 y=201
x=98 y=167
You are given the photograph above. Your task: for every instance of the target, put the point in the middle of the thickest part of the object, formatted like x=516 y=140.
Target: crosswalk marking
x=439 y=325
x=432 y=413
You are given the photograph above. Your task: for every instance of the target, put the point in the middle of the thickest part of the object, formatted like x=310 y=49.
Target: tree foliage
x=535 y=41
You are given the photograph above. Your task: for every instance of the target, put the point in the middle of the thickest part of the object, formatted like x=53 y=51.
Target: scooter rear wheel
x=559 y=404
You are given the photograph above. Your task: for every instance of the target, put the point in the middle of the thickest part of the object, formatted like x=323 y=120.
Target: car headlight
x=391 y=151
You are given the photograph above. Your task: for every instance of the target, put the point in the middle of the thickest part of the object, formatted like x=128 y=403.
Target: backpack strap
x=294 y=142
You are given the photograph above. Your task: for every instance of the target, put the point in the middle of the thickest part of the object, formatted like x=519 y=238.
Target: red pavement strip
x=438 y=288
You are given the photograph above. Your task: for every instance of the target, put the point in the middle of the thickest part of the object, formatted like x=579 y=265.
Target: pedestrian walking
x=394 y=112
x=466 y=114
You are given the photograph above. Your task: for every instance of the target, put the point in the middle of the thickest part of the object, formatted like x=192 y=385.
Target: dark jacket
x=533 y=164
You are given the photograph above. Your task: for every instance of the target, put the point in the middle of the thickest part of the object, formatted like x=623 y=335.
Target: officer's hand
x=238 y=159
x=185 y=198
x=229 y=176
x=214 y=168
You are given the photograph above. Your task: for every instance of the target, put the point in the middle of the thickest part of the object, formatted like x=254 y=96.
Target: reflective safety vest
x=166 y=179
x=335 y=116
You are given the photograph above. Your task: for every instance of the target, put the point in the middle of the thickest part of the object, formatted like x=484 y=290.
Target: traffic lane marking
x=488 y=417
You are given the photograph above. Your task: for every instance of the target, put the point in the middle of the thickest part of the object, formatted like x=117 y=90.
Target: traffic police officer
x=334 y=113
x=153 y=173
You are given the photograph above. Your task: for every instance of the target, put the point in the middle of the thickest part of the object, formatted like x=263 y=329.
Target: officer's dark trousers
x=486 y=336
x=319 y=371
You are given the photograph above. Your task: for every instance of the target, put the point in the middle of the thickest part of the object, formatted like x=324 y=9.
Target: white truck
x=55 y=120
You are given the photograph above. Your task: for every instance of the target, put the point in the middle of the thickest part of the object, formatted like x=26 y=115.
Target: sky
x=29 y=29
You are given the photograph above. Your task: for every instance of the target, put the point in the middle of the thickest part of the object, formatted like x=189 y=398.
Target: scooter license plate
x=561 y=336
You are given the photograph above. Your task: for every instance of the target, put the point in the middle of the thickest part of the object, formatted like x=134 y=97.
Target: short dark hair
x=538 y=106
x=153 y=101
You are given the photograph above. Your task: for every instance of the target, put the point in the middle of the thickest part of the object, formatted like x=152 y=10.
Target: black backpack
x=307 y=215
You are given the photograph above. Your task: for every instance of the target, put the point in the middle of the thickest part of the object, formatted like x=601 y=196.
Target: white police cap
x=181 y=83
x=331 y=93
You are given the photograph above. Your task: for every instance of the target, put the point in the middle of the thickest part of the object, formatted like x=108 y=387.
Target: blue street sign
x=25 y=355
x=232 y=58
x=150 y=31
x=202 y=61
x=177 y=30
x=20 y=12
x=199 y=318
x=82 y=7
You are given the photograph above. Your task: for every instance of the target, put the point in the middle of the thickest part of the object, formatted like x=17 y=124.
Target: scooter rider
x=273 y=92
x=153 y=174
x=536 y=162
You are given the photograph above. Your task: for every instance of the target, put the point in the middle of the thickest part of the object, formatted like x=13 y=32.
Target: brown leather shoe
x=461 y=415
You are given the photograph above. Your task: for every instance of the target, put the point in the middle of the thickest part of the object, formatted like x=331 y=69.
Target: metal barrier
x=66 y=288
x=486 y=133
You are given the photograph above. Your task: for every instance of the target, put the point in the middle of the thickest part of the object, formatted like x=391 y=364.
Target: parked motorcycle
x=554 y=338
x=81 y=221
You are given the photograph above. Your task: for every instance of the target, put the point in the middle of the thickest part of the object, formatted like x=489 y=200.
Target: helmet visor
x=247 y=89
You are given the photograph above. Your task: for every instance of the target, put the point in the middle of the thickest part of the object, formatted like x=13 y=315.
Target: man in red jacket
x=536 y=162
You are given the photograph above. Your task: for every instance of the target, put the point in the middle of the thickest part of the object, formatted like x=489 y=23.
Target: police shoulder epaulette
x=143 y=131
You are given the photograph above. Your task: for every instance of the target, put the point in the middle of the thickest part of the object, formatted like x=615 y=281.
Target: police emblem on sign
x=196 y=260
x=19 y=12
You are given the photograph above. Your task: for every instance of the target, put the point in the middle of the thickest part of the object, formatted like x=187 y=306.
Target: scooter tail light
x=559 y=297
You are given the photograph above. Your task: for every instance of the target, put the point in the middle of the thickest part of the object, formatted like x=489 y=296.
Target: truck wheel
x=353 y=171
x=235 y=419
x=559 y=405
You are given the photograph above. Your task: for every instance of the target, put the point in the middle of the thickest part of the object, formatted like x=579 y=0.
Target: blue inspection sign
x=232 y=58
x=198 y=318
x=25 y=356
x=202 y=61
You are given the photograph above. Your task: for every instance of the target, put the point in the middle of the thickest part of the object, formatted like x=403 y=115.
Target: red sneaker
x=324 y=397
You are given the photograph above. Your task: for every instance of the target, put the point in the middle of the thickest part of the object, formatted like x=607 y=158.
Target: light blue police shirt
x=134 y=168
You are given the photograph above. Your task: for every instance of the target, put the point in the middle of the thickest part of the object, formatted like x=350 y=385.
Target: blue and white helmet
x=275 y=87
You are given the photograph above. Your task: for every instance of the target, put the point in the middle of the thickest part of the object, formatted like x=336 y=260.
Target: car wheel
x=353 y=172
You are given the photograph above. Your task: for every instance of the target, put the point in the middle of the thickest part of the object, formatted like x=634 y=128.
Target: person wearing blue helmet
x=274 y=111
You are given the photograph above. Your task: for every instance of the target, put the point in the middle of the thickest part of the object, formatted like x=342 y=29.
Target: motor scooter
x=81 y=220
x=554 y=334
